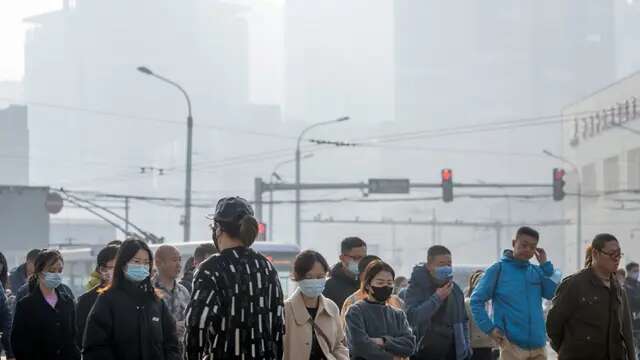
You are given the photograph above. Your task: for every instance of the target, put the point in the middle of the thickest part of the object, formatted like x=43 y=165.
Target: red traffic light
x=558 y=174
x=261 y=228
x=447 y=175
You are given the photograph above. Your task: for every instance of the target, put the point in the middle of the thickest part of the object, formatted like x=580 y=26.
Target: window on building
x=633 y=169
x=611 y=174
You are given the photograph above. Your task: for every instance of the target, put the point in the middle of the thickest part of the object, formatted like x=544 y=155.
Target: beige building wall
x=601 y=135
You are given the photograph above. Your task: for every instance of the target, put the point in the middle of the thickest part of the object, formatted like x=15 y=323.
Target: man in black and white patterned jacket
x=236 y=308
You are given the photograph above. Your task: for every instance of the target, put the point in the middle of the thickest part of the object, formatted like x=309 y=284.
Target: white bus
x=79 y=263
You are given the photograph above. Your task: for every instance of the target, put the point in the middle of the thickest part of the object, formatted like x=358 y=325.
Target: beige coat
x=298 y=337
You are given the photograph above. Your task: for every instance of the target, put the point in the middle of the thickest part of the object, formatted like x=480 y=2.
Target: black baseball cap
x=231 y=210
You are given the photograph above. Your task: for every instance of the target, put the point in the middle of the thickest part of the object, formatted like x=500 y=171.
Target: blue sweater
x=516 y=289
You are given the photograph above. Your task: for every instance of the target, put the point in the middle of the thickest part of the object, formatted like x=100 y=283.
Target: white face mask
x=312 y=287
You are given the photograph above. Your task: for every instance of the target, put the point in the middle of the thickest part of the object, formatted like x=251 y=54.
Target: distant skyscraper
x=14 y=146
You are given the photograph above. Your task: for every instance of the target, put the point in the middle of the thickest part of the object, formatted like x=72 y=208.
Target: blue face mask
x=353 y=267
x=444 y=273
x=137 y=272
x=312 y=287
x=52 y=280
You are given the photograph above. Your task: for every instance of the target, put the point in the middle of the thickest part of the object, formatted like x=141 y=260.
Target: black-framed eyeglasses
x=616 y=254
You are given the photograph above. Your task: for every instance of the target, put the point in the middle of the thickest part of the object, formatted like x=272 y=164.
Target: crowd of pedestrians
x=229 y=304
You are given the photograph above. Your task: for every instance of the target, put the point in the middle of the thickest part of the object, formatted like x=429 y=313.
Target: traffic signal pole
x=262 y=187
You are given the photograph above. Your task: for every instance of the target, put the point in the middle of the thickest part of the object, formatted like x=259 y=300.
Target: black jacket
x=632 y=287
x=41 y=332
x=589 y=320
x=85 y=303
x=17 y=278
x=340 y=285
x=126 y=323
x=187 y=280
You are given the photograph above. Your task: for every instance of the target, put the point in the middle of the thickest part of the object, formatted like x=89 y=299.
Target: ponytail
x=588 y=258
x=248 y=230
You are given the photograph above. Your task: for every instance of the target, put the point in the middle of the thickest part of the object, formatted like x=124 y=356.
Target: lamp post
x=274 y=174
x=187 y=190
x=579 y=203
x=298 y=222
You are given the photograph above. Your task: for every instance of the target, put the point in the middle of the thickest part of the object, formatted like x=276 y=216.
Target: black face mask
x=381 y=293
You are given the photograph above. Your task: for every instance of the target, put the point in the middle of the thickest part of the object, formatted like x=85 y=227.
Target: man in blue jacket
x=436 y=310
x=516 y=288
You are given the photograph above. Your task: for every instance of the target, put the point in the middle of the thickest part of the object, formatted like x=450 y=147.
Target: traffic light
x=262 y=232
x=558 y=184
x=447 y=185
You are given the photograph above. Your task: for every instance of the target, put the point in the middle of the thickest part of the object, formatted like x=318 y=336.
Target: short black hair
x=32 y=255
x=107 y=254
x=632 y=265
x=362 y=265
x=525 y=230
x=350 y=243
x=437 y=250
x=304 y=263
x=203 y=251
x=114 y=242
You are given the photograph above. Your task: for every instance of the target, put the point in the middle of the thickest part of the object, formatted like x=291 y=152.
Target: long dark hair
x=4 y=271
x=598 y=243
x=127 y=251
x=45 y=258
x=473 y=281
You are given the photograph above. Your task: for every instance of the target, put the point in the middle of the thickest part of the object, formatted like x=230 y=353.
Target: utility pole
x=126 y=216
x=433 y=227
x=498 y=228
x=297 y=189
x=187 y=187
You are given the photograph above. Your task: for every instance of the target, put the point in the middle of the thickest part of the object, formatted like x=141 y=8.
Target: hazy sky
x=12 y=32
x=266 y=31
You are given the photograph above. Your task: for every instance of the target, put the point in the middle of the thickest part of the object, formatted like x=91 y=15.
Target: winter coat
x=478 y=338
x=577 y=321
x=423 y=303
x=17 y=278
x=366 y=320
x=340 y=285
x=5 y=323
x=127 y=323
x=516 y=289
x=85 y=303
x=632 y=287
x=41 y=332
x=298 y=323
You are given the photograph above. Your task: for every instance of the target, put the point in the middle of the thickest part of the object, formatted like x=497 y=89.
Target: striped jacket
x=236 y=308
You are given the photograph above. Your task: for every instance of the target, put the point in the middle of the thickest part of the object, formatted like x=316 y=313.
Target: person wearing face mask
x=43 y=325
x=128 y=320
x=516 y=288
x=436 y=310
x=632 y=287
x=105 y=264
x=343 y=278
x=376 y=330
x=237 y=303
x=314 y=329
x=590 y=316
x=393 y=300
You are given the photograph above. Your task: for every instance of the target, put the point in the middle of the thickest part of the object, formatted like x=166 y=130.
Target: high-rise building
x=14 y=146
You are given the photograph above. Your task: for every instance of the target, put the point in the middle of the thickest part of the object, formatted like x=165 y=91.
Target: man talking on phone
x=436 y=311
x=516 y=288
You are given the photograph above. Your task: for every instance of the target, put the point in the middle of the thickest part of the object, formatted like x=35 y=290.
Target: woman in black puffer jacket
x=128 y=320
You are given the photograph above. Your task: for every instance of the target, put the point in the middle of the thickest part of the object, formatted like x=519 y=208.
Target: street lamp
x=579 y=203
x=274 y=174
x=187 y=190
x=335 y=121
